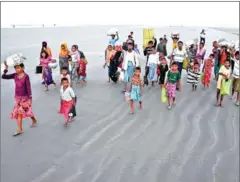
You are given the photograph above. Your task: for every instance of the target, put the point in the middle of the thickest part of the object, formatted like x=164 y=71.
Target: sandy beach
x=194 y=142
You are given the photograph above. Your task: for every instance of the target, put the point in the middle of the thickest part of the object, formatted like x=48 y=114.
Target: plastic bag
x=121 y=76
x=185 y=64
x=225 y=87
x=163 y=95
x=202 y=75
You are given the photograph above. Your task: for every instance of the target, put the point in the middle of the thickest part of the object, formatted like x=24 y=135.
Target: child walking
x=136 y=90
x=64 y=74
x=194 y=75
x=163 y=68
x=82 y=71
x=207 y=71
x=173 y=79
x=224 y=74
x=68 y=101
x=23 y=96
x=45 y=59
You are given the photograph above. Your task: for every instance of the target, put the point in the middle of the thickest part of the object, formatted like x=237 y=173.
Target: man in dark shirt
x=147 y=51
x=162 y=47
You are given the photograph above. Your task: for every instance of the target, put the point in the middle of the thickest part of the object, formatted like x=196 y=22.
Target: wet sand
x=194 y=142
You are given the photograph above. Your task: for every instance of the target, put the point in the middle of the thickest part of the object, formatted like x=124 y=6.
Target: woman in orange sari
x=63 y=56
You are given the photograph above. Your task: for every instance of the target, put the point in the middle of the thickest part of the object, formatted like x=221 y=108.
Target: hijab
x=64 y=52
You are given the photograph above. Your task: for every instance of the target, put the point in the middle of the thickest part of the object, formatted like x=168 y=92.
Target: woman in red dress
x=207 y=69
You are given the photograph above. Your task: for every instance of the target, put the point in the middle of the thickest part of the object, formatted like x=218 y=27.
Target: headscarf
x=64 y=52
x=46 y=48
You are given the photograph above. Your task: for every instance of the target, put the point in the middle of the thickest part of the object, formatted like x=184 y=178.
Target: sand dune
x=194 y=142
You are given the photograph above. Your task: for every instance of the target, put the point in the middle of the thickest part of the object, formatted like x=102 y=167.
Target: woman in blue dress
x=136 y=90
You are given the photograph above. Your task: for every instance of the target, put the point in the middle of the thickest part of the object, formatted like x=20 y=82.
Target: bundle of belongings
x=175 y=35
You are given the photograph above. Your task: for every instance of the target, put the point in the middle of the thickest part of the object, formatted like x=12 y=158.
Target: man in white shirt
x=179 y=54
x=236 y=78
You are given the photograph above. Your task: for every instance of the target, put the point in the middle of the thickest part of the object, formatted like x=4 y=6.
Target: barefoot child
x=23 y=96
x=82 y=71
x=194 y=75
x=173 y=79
x=45 y=59
x=68 y=101
x=224 y=74
x=64 y=74
x=136 y=91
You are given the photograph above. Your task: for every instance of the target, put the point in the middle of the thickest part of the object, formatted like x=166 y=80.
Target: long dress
x=200 y=55
x=47 y=76
x=135 y=94
x=208 y=64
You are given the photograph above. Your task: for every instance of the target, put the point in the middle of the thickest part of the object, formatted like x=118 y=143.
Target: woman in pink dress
x=23 y=96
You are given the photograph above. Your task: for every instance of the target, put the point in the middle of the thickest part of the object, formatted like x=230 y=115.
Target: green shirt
x=173 y=77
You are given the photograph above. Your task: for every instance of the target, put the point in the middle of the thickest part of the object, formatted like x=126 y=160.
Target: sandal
x=17 y=133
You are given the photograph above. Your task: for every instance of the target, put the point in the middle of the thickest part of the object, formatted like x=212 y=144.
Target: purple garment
x=22 y=86
x=215 y=52
x=47 y=76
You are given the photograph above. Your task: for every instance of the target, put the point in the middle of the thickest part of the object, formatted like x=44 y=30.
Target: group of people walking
x=72 y=65
x=123 y=65
x=224 y=60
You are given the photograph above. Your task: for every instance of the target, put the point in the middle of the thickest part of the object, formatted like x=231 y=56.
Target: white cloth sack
x=112 y=31
x=15 y=59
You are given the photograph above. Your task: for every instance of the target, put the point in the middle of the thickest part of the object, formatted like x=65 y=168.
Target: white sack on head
x=15 y=59
x=112 y=31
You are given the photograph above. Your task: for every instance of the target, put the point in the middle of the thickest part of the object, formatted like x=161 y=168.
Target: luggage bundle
x=175 y=35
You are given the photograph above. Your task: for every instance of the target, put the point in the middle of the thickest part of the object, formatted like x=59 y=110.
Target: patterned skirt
x=171 y=90
x=135 y=94
x=22 y=107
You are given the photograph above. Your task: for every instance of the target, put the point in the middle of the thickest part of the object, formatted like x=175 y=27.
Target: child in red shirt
x=82 y=71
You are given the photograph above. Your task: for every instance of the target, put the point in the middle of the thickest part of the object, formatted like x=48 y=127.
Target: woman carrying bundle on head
x=23 y=95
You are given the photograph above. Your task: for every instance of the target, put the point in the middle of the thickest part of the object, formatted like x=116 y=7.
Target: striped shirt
x=179 y=55
x=193 y=77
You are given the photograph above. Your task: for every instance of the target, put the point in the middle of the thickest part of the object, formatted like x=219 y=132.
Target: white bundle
x=15 y=59
x=112 y=31
x=53 y=65
x=223 y=42
x=175 y=35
